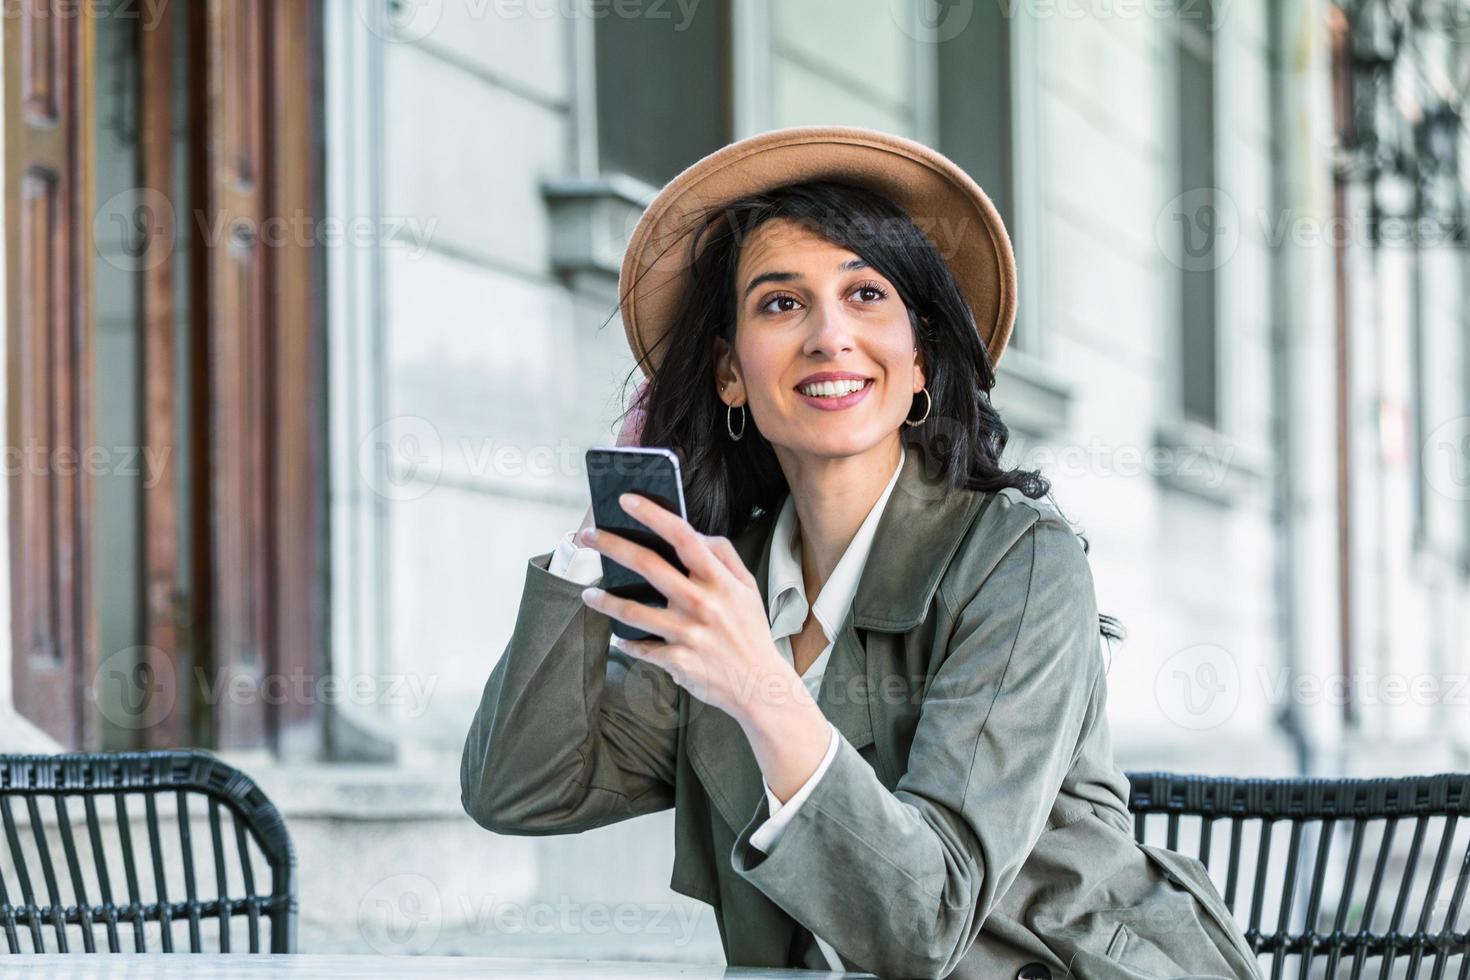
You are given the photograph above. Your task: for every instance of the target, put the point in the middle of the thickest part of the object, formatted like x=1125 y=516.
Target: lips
x=837 y=403
x=830 y=376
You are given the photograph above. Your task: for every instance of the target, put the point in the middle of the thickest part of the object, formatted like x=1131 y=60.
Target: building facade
x=1241 y=357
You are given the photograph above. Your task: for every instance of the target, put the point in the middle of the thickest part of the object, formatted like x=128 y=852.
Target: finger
x=688 y=543
x=632 y=648
x=725 y=551
x=660 y=654
x=651 y=650
x=674 y=584
x=640 y=615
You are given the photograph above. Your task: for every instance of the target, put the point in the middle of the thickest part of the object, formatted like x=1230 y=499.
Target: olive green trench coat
x=972 y=824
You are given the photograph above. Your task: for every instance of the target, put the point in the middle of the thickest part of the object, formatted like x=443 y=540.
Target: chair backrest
x=110 y=789
x=1363 y=893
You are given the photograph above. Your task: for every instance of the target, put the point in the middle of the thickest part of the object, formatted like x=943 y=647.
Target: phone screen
x=652 y=472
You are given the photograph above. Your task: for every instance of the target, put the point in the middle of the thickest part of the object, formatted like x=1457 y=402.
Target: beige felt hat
x=946 y=204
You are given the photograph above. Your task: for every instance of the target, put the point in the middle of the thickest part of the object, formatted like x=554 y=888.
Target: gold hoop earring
x=730 y=428
x=928 y=404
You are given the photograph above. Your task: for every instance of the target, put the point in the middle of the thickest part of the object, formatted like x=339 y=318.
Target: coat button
x=1033 y=971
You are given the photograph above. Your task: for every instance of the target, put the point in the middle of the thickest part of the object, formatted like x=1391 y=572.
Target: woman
x=878 y=708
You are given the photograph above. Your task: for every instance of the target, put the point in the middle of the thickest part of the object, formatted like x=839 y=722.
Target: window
x=654 y=93
x=1199 y=231
x=663 y=84
x=1198 y=327
x=988 y=111
x=974 y=106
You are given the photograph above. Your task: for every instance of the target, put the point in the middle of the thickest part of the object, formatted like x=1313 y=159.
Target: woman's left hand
x=716 y=636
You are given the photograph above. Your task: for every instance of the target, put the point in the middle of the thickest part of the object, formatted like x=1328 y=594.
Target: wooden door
x=49 y=331
x=253 y=598
x=259 y=469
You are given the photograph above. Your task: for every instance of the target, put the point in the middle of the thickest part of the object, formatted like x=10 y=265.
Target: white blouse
x=788 y=610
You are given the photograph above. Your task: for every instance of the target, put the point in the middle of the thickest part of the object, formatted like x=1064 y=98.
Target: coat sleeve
x=570 y=733
x=901 y=882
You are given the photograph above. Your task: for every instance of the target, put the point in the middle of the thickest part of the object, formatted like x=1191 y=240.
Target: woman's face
x=807 y=307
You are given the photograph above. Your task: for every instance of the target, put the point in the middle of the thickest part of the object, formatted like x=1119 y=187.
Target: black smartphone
x=652 y=472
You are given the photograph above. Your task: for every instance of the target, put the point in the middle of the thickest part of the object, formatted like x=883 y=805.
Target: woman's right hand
x=629 y=434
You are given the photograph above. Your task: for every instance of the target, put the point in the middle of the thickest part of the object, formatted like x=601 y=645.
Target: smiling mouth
x=832 y=389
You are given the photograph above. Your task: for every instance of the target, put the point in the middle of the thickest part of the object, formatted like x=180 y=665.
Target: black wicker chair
x=164 y=780
x=1329 y=910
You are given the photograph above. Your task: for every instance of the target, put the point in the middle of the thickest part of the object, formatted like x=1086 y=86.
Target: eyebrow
x=764 y=277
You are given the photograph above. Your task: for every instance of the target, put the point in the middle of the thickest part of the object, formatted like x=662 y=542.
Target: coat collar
x=917 y=535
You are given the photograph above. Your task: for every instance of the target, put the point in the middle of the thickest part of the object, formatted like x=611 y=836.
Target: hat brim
x=947 y=205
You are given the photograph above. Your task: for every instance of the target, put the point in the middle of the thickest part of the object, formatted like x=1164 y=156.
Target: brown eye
x=872 y=287
x=776 y=299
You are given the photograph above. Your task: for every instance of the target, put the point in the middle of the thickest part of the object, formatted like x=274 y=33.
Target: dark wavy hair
x=729 y=483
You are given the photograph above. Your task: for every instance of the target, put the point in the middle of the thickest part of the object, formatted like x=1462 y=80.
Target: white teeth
x=831 y=389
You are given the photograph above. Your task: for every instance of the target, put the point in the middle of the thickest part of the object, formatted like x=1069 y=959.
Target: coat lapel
x=917 y=535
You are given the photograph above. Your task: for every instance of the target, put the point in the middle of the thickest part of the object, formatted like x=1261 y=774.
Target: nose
x=830 y=333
